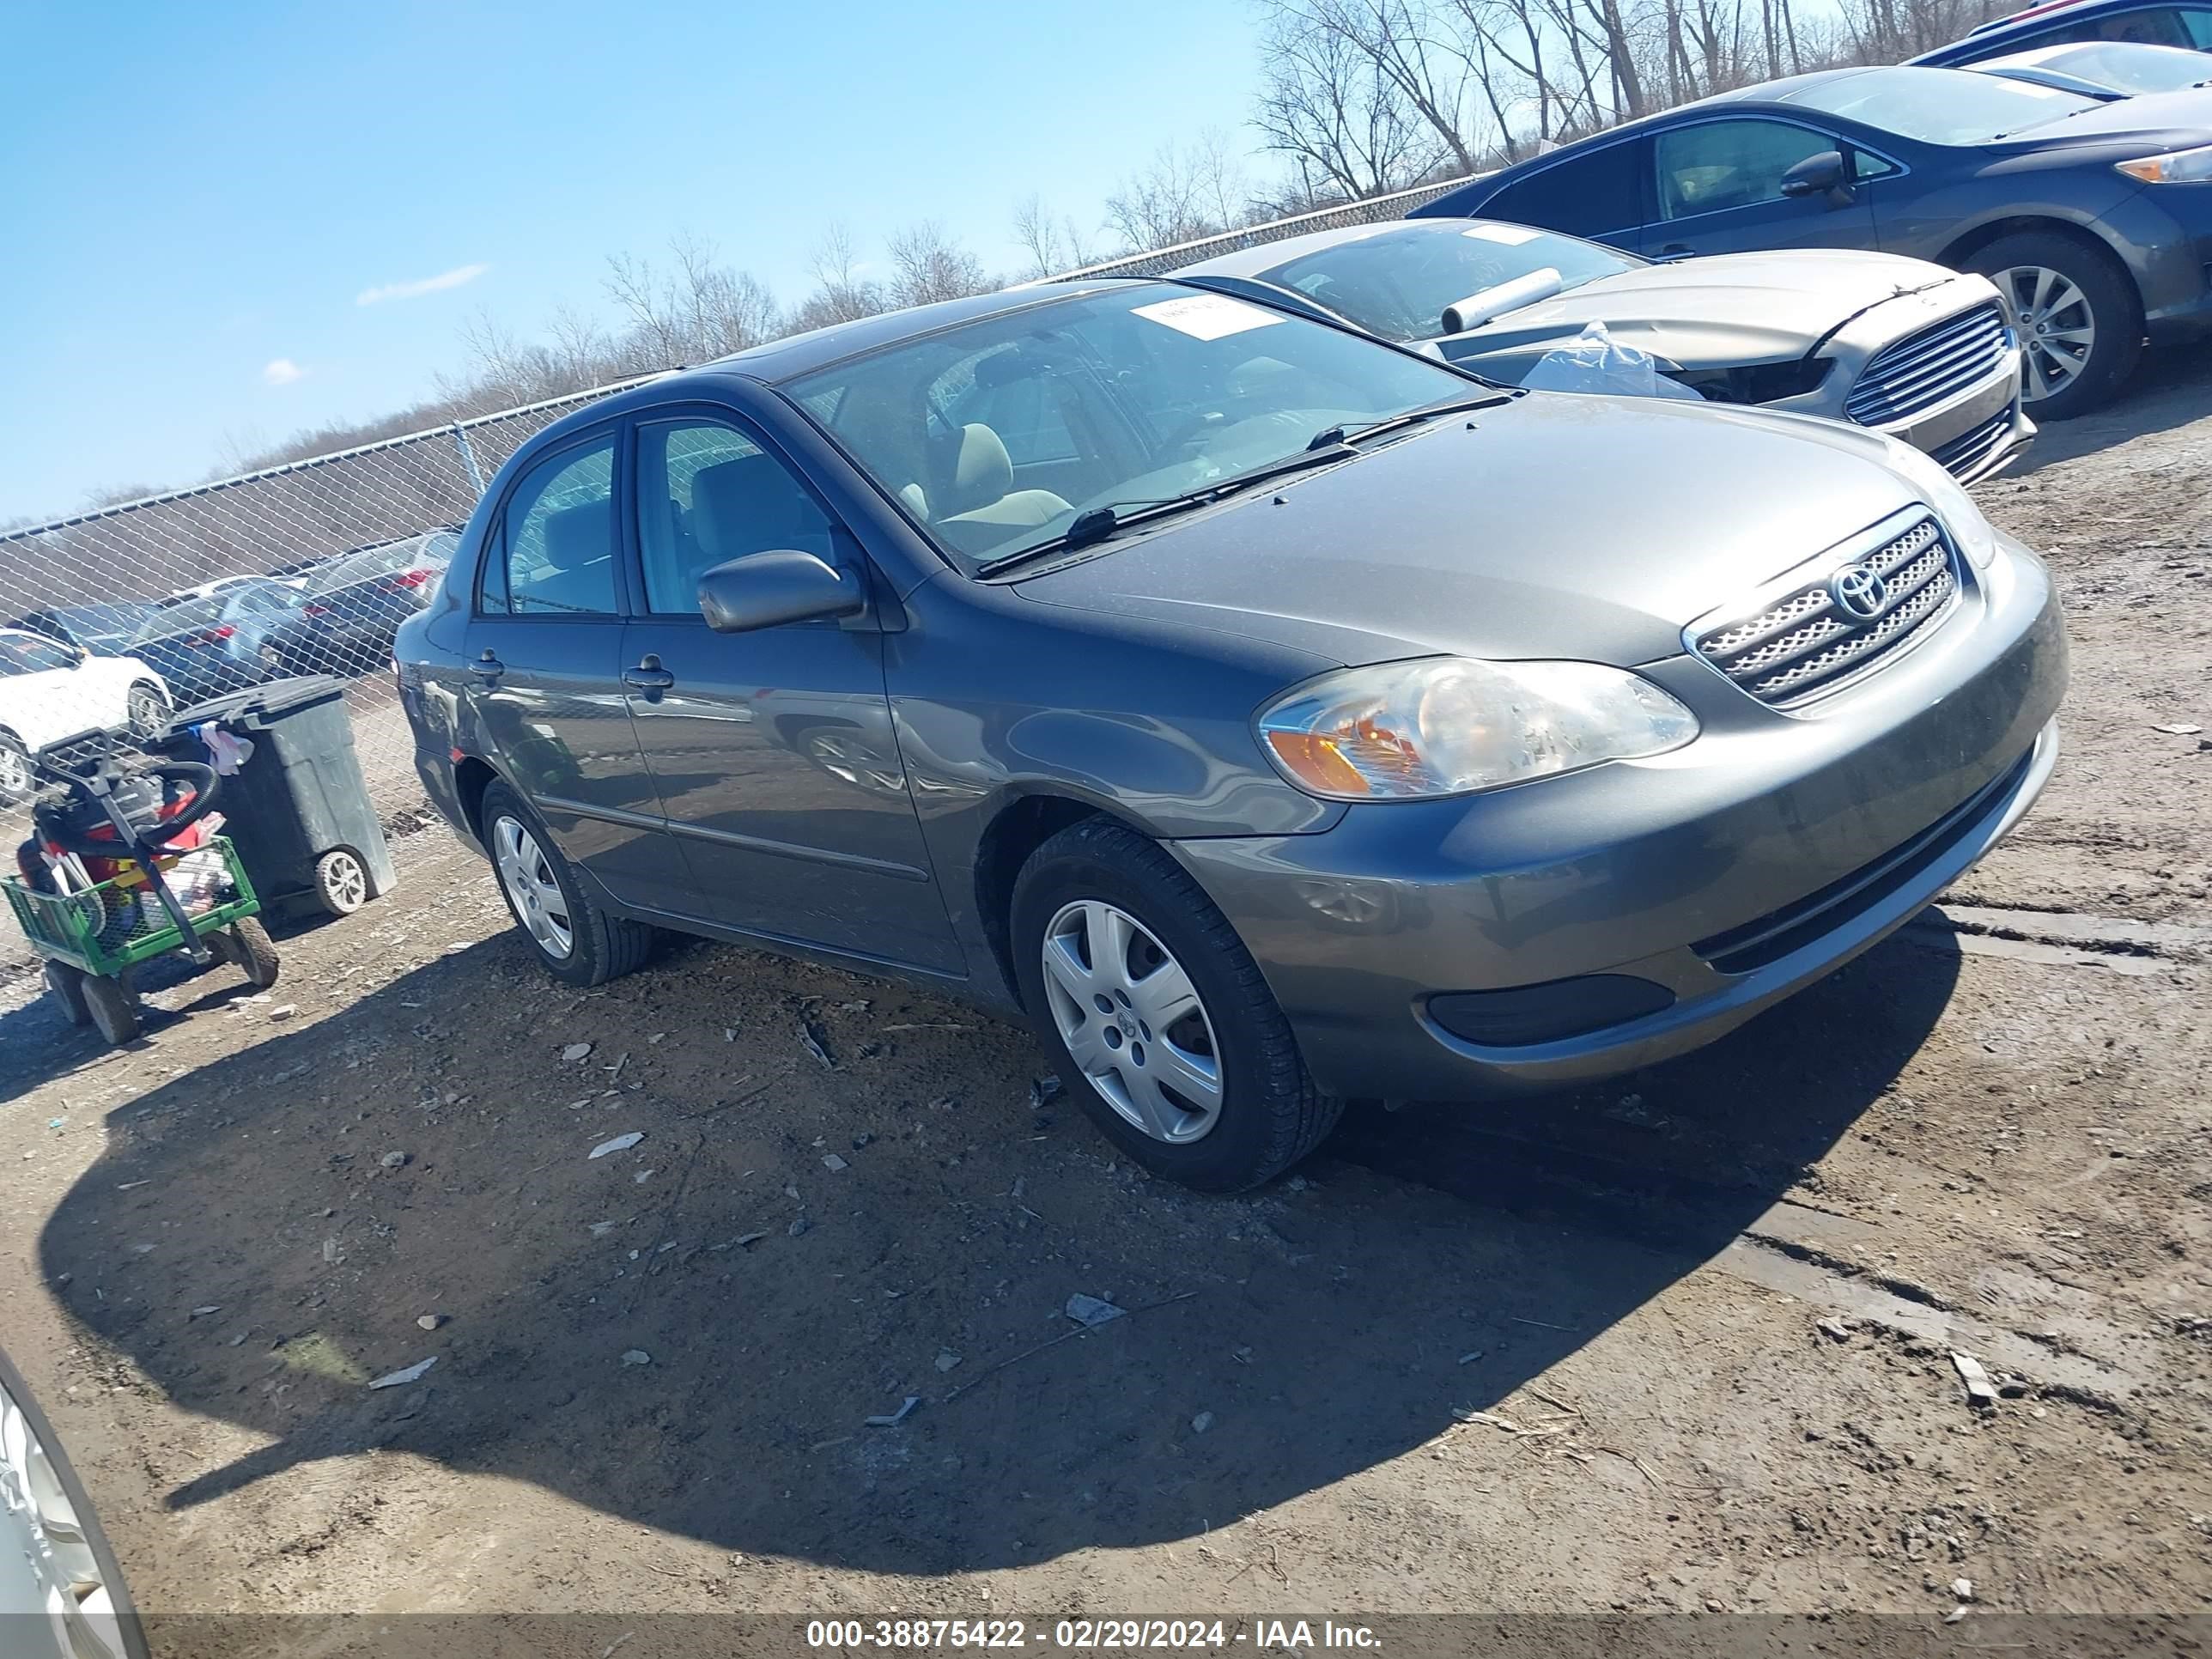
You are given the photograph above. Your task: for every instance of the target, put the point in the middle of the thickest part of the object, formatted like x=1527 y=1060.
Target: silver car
x=62 y=1595
x=1925 y=355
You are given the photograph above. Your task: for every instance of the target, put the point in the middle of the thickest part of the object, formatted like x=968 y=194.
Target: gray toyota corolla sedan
x=1271 y=714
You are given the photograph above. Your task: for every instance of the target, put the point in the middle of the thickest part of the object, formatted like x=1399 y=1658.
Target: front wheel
x=255 y=951
x=576 y=942
x=65 y=985
x=114 y=1010
x=2078 y=316
x=15 y=779
x=1157 y=1015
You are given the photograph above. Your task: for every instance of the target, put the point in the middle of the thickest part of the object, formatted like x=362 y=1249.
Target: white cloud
x=282 y=371
x=416 y=290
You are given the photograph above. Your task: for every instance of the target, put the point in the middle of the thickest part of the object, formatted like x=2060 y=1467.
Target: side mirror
x=1820 y=174
x=766 y=590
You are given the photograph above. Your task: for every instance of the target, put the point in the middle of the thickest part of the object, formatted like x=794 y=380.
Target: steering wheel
x=206 y=784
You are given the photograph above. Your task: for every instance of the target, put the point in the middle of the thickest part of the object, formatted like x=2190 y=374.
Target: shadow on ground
x=1275 y=1343
x=2172 y=388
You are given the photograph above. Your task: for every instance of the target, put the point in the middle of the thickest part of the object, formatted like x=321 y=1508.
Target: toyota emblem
x=1859 y=591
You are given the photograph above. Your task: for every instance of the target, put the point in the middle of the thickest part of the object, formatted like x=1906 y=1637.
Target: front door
x=544 y=664
x=778 y=768
x=1720 y=189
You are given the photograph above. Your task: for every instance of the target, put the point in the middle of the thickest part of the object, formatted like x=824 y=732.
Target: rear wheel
x=576 y=941
x=65 y=985
x=1156 y=1014
x=341 y=881
x=14 y=769
x=255 y=951
x=114 y=1010
x=147 y=710
x=2079 y=316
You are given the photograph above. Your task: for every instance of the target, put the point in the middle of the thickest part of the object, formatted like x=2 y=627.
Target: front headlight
x=1968 y=528
x=1448 y=726
x=2176 y=167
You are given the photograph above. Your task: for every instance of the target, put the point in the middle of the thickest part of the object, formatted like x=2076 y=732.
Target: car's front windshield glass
x=1396 y=282
x=995 y=436
x=1942 y=107
x=2124 y=66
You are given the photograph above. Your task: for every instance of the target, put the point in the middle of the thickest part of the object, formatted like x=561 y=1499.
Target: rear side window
x=1592 y=195
x=554 y=553
x=2154 y=26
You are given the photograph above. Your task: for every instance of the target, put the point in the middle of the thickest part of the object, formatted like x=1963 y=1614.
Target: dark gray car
x=1272 y=715
x=2091 y=218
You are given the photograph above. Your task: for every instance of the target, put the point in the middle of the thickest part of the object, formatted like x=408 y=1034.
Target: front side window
x=1156 y=392
x=1592 y=195
x=553 y=555
x=1718 y=165
x=707 y=493
x=1397 y=282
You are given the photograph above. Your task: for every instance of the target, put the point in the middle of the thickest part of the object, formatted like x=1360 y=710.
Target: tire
x=147 y=711
x=256 y=952
x=341 y=881
x=575 y=941
x=114 y=1010
x=105 y=1623
x=65 y=985
x=2059 y=288
x=1266 y=1114
x=16 y=782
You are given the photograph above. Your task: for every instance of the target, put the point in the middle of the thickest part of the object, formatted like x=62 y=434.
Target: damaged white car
x=1925 y=355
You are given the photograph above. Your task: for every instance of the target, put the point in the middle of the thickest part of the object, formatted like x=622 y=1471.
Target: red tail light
x=215 y=635
x=408 y=579
x=315 y=610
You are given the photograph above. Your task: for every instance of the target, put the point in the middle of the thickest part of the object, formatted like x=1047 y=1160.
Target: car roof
x=2027 y=21
x=1264 y=257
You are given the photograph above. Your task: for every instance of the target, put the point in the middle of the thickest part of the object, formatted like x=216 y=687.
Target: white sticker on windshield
x=1511 y=235
x=1207 y=316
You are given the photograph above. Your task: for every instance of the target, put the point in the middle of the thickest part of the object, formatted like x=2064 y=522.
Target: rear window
x=1591 y=195
x=1941 y=105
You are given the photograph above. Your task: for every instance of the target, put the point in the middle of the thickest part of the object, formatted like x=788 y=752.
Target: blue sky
x=196 y=197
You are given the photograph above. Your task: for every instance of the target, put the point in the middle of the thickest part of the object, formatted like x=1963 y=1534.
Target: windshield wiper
x=1096 y=524
x=1339 y=435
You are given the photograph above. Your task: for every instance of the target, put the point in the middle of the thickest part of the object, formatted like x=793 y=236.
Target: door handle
x=649 y=675
x=487 y=667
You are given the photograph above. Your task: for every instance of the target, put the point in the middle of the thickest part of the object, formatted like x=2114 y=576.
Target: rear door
x=545 y=651
x=774 y=751
x=1717 y=189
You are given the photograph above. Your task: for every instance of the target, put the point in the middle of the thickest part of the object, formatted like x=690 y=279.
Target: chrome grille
x=1804 y=641
x=1923 y=370
x=1966 y=451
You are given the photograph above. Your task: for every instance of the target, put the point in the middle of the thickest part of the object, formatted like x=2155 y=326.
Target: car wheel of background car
x=147 y=710
x=14 y=769
x=577 y=942
x=256 y=952
x=50 y=1521
x=341 y=883
x=114 y=1010
x=2079 y=316
x=1156 y=1015
x=65 y=985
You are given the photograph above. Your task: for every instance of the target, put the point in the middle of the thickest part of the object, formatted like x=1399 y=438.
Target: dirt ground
x=1682 y=1343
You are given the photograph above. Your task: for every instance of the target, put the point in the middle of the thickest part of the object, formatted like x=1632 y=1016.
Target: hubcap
x=1132 y=1021
x=345 y=881
x=2057 y=330
x=66 y=1573
x=533 y=888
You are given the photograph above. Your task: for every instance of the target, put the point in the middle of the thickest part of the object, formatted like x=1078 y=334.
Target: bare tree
x=927 y=267
x=1347 y=128
x=696 y=312
x=1037 y=233
x=840 y=294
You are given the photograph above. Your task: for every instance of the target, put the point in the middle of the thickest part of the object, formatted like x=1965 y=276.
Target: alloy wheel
x=1132 y=1021
x=64 y=1566
x=145 y=714
x=533 y=889
x=15 y=772
x=2057 y=329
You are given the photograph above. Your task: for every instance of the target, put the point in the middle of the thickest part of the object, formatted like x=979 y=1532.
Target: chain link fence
x=1160 y=261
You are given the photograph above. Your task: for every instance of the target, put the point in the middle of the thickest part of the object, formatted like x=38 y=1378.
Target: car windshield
x=2123 y=65
x=1939 y=105
x=1396 y=282
x=995 y=436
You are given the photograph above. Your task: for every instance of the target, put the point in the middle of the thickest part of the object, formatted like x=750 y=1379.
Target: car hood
x=2145 y=126
x=1584 y=527
x=1727 y=309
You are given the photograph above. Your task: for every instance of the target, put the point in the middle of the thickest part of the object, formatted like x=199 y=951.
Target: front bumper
x=1726 y=875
